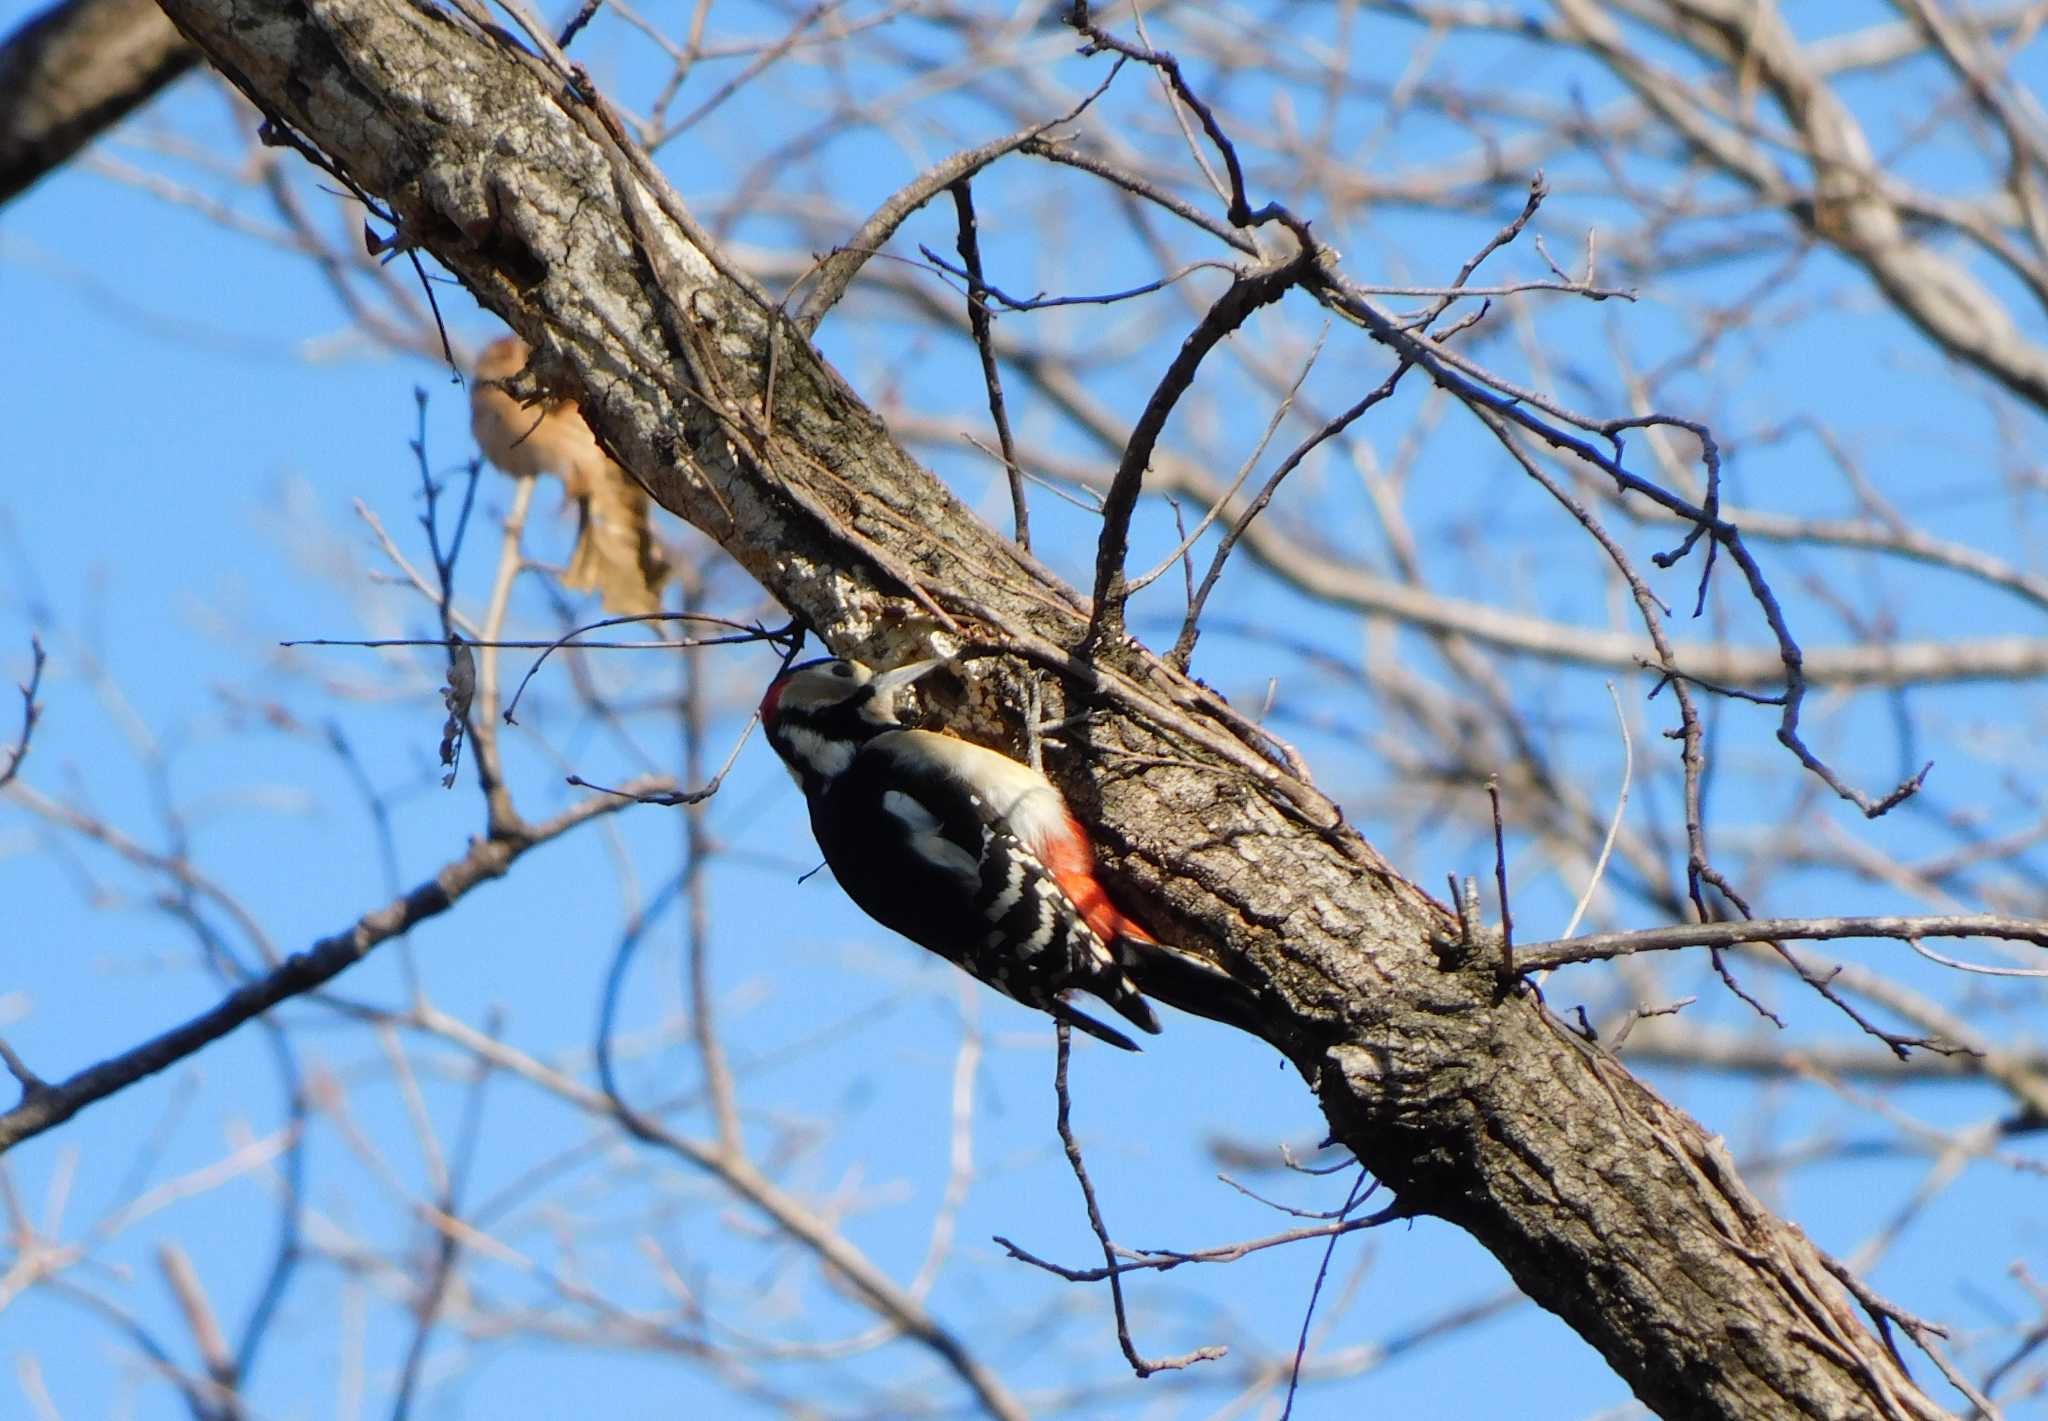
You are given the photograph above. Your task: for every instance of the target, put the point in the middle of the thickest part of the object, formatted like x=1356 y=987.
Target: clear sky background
x=194 y=423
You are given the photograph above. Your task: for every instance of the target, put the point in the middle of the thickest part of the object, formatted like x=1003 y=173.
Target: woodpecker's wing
x=948 y=844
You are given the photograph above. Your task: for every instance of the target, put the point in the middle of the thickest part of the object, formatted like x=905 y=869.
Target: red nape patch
x=770 y=701
x=1070 y=858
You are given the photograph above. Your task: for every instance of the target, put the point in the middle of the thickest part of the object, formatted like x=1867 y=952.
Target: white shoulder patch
x=926 y=841
x=911 y=814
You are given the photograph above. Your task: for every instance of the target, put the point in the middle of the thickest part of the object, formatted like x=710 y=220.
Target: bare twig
x=1538 y=190
x=1166 y=1259
x=969 y=240
x=1628 y=758
x=1926 y=1335
x=1360 y=1188
x=1142 y=1366
x=1241 y=213
x=1182 y=551
x=1043 y=302
x=1190 y=628
x=1597 y=947
x=837 y=271
x=583 y=16
x=30 y=711
x=1247 y=293
x=679 y=798
x=487 y=859
x=741 y=635
x=201 y=1321
x=807 y=1228
x=1500 y=884
x=448 y=1245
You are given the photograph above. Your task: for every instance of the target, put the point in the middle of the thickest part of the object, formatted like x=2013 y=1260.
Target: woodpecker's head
x=819 y=714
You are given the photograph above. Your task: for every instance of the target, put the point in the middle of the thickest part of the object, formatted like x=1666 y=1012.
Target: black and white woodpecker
x=971 y=854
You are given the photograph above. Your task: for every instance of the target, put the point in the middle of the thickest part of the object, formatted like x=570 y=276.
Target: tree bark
x=1469 y=1099
x=73 y=71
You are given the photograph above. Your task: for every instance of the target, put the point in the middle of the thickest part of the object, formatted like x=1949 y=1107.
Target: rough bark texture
x=72 y=71
x=1473 y=1103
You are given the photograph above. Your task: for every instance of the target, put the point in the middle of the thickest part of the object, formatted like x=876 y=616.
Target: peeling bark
x=1608 y=1206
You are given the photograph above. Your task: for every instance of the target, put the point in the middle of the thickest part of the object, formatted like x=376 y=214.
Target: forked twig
x=30 y=710
x=1143 y=1366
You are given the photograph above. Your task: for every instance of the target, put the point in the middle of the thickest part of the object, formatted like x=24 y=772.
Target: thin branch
x=838 y=270
x=1598 y=947
x=679 y=798
x=200 y=1320
x=1247 y=293
x=978 y=321
x=1538 y=190
x=1359 y=1189
x=1138 y=186
x=451 y=1231
x=30 y=711
x=583 y=16
x=1241 y=213
x=767 y=58
x=742 y=634
x=514 y=644
x=1165 y=1259
x=1181 y=553
x=1923 y=1333
x=1329 y=577
x=1500 y=884
x=1190 y=627
x=1143 y=1366
x=511 y=561
x=820 y=1237
x=1628 y=763
x=486 y=860
x=1500 y=404
x=1042 y=302
x=698 y=848
x=1980 y=968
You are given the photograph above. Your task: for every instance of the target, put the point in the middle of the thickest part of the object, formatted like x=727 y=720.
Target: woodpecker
x=969 y=853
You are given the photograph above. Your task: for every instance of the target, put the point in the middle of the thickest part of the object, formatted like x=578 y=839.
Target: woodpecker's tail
x=1094 y=1028
x=1192 y=983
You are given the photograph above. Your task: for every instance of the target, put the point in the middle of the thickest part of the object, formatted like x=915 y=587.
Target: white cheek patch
x=827 y=757
x=926 y=840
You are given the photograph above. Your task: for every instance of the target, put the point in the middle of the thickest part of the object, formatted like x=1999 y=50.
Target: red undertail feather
x=1071 y=861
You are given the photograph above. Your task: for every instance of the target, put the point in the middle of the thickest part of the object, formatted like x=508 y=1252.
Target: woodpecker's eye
x=841 y=669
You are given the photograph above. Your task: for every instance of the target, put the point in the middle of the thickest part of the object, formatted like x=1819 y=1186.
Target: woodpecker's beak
x=887 y=683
